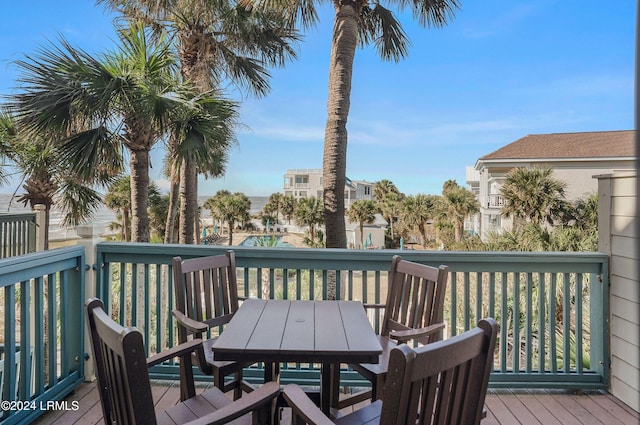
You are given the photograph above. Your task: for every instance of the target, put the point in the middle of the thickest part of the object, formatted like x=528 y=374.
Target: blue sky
x=500 y=70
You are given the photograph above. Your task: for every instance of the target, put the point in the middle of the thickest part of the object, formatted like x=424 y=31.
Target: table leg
x=329 y=387
x=325 y=387
x=272 y=374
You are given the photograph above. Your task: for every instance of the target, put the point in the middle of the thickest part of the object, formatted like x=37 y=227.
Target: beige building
x=307 y=183
x=575 y=158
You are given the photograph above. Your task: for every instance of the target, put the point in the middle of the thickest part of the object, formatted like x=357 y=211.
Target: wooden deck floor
x=525 y=407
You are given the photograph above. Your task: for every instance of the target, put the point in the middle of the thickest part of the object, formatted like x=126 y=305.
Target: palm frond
x=93 y=155
x=380 y=27
x=431 y=13
x=79 y=201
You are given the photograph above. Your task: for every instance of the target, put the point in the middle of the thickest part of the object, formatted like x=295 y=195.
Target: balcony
x=552 y=308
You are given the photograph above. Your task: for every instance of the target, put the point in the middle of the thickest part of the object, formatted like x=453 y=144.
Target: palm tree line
x=161 y=84
x=545 y=221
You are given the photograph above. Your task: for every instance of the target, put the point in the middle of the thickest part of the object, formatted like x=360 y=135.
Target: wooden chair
x=442 y=383
x=125 y=389
x=206 y=298
x=413 y=312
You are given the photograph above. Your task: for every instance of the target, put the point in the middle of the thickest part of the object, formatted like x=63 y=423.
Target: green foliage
x=533 y=195
x=229 y=208
x=362 y=211
x=309 y=212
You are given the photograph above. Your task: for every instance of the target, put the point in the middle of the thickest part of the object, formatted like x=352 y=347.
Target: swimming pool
x=257 y=241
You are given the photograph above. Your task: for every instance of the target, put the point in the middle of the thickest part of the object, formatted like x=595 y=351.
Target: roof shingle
x=600 y=144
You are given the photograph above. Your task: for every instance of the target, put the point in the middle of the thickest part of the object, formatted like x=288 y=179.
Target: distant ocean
x=103 y=215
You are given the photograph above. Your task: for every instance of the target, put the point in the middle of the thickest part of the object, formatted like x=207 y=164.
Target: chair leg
x=377 y=385
x=237 y=390
x=187 y=384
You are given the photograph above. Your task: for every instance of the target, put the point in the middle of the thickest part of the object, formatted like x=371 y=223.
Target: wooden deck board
x=522 y=407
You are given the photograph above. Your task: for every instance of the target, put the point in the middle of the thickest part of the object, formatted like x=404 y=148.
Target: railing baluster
x=529 y=322
x=516 y=322
x=566 y=323
x=578 y=323
x=454 y=303
x=541 y=321
x=504 y=325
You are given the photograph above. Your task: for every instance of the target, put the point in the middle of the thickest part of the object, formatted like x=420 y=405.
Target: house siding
x=618 y=236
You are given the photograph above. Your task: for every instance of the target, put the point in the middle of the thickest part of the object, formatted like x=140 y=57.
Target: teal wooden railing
x=552 y=307
x=17 y=234
x=42 y=331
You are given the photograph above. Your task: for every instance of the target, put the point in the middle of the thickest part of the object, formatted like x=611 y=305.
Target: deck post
x=90 y=236
x=40 y=227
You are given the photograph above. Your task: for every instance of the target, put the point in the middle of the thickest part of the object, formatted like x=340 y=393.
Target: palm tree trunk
x=187 y=191
x=172 y=214
x=126 y=225
x=139 y=164
x=334 y=165
x=230 y=224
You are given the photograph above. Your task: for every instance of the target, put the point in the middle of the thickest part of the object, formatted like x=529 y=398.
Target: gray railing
x=552 y=307
x=17 y=234
x=42 y=331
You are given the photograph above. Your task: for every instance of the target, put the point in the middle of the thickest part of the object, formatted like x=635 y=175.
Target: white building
x=575 y=158
x=307 y=183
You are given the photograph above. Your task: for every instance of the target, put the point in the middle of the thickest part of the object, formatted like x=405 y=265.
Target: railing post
x=41 y=224
x=90 y=236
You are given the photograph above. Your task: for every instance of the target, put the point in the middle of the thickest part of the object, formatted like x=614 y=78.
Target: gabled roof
x=597 y=144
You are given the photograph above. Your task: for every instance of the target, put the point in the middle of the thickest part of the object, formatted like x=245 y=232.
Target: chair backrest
x=121 y=369
x=444 y=382
x=415 y=298
x=206 y=288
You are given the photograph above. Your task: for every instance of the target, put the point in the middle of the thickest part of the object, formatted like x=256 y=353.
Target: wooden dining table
x=277 y=331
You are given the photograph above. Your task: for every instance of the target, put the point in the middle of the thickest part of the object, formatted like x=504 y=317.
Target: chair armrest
x=191 y=325
x=302 y=406
x=374 y=306
x=177 y=351
x=409 y=334
x=247 y=403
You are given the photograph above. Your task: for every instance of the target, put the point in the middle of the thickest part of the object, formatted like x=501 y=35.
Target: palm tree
x=417 y=211
x=586 y=212
x=308 y=212
x=390 y=206
x=274 y=204
x=118 y=199
x=362 y=211
x=458 y=203
x=355 y=23
x=533 y=195
x=382 y=188
x=288 y=207
x=48 y=180
x=229 y=208
x=129 y=97
x=217 y=42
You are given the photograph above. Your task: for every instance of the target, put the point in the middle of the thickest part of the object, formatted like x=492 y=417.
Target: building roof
x=597 y=144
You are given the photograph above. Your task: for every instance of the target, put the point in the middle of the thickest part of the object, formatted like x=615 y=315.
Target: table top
x=299 y=331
